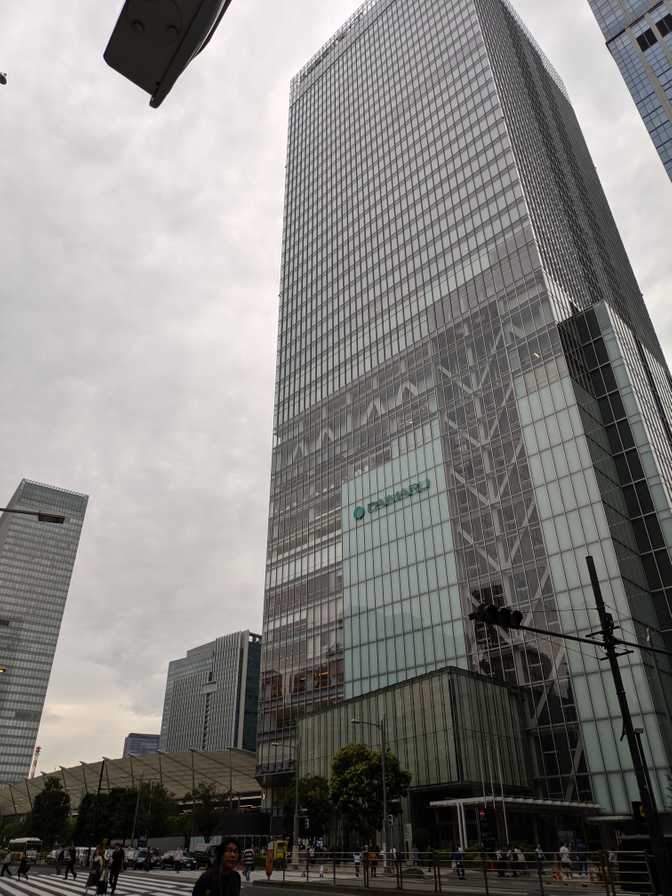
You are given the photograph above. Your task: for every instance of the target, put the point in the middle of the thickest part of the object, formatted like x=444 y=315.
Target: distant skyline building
x=470 y=398
x=211 y=696
x=141 y=745
x=639 y=37
x=36 y=563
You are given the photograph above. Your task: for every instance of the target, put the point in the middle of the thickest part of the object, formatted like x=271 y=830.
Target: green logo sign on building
x=415 y=489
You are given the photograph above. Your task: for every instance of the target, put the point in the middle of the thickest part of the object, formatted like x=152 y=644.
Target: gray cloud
x=140 y=256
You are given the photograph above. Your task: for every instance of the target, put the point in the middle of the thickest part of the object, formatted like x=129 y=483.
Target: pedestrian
x=499 y=862
x=23 y=867
x=178 y=859
x=60 y=858
x=373 y=861
x=521 y=860
x=415 y=856
x=96 y=870
x=221 y=879
x=356 y=861
x=565 y=861
x=248 y=862
x=582 y=858
x=116 y=866
x=6 y=862
x=458 y=862
x=540 y=858
x=70 y=864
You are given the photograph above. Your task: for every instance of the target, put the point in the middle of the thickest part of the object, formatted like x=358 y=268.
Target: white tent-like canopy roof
x=230 y=771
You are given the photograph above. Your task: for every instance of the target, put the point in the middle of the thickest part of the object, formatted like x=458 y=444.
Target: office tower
x=141 y=744
x=211 y=696
x=639 y=37
x=470 y=396
x=36 y=563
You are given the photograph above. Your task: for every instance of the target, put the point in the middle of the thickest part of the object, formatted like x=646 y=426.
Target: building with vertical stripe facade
x=470 y=397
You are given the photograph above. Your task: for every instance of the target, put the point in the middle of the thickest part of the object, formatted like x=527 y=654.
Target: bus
x=31 y=846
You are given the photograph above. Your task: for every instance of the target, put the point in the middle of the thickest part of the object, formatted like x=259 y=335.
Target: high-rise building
x=141 y=744
x=639 y=37
x=470 y=398
x=36 y=563
x=211 y=696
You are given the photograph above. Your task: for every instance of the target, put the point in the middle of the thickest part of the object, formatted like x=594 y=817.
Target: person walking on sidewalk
x=356 y=861
x=116 y=866
x=6 y=862
x=221 y=879
x=70 y=864
x=248 y=862
x=23 y=868
x=60 y=858
x=458 y=863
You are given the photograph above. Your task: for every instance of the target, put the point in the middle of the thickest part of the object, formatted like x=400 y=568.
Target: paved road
x=44 y=882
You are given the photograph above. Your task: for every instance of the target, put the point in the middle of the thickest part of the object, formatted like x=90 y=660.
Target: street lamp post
x=42 y=515
x=383 y=739
x=295 y=834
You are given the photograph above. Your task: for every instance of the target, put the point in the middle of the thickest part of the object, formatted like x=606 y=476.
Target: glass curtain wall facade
x=36 y=564
x=639 y=37
x=446 y=239
x=211 y=696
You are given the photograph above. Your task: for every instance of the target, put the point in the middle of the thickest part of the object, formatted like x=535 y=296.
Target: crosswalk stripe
x=47 y=885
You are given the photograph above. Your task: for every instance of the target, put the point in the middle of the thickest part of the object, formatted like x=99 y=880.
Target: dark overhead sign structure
x=154 y=40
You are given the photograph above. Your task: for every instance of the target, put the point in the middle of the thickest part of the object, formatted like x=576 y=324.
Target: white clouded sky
x=139 y=270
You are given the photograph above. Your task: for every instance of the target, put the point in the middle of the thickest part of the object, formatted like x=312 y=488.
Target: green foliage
x=206 y=809
x=314 y=798
x=111 y=815
x=356 y=787
x=49 y=815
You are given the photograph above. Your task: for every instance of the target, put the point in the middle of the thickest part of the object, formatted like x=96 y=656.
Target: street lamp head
x=56 y=518
x=3 y=669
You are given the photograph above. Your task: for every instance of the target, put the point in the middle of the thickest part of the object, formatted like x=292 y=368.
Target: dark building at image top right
x=639 y=37
x=470 y=399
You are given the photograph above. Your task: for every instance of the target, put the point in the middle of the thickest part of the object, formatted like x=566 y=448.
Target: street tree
x=314 y=798
x=206 y=809
x=50 y=812
x=356 y=787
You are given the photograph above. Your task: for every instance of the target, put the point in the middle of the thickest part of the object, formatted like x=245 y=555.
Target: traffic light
x=154 y=40
x=487 y=825
x=502 y=617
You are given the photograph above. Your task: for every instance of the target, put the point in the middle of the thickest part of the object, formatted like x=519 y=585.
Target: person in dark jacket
x=23 y=867
x=221 y=879
x=70 y=864
x=116 y=866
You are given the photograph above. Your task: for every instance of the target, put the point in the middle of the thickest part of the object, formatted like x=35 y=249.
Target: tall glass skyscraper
x=211 y=696
x=639 y=37
x=36 y=563
x=470 y=396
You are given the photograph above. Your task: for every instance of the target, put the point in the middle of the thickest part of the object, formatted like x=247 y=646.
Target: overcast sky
x=139 y=269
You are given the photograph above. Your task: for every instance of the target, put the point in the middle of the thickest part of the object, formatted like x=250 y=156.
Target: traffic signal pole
x=646 y=795
x=511 y=619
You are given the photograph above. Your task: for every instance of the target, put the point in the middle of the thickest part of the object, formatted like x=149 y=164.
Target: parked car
x=187 y=861
x=140 y=859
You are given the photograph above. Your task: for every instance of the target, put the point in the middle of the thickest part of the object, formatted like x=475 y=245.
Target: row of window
x=648 y=38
